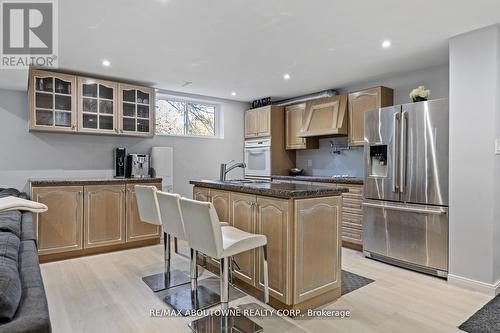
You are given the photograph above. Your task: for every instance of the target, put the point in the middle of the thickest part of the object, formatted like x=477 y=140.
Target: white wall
x=26 y=154
x=351 y=162
x=474 y=168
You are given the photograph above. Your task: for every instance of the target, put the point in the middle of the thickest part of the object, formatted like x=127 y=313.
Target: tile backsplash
x=323 y=162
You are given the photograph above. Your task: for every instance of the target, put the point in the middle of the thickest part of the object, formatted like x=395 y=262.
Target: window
x=175 y=116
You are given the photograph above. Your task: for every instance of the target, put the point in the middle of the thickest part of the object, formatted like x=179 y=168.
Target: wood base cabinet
x=59 y=229
x=89 y=219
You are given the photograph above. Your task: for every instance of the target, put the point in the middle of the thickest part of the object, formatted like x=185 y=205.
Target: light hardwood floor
x=105 y=293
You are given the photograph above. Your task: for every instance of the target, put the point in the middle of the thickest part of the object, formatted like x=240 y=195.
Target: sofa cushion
x=29 y=268
x=10 y=282
x=27 y=227
x=11 y=222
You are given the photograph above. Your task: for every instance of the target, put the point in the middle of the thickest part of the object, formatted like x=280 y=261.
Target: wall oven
x=258 y=158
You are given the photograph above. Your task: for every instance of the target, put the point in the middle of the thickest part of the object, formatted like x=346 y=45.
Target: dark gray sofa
x=23 y=303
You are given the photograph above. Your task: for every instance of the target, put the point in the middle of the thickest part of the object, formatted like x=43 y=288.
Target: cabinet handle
x=73 y=126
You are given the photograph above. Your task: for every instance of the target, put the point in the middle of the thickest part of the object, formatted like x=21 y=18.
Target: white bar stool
x=195 y=297
x=147 y=205
x=205 y=234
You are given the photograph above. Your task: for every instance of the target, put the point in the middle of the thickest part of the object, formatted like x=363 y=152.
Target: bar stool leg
x=224 y=283
x=168 y=278
x=196 y=297
x=266 y=273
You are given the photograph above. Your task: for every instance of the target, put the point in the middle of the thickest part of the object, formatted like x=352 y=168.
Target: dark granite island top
x=276 y=190
x=71 y=181
x=322 y=179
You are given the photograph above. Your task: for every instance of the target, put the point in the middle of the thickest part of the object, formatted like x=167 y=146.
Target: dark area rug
x=351 y=282
x=487 y=319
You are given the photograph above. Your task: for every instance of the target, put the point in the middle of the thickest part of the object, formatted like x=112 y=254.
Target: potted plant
x=420 y=94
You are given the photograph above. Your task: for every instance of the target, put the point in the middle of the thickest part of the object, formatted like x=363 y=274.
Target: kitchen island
x=302 y=224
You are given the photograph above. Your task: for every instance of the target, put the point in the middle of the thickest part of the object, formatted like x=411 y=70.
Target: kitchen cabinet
x=137 y=110
x=258 y=122
x=362 y=101
x=294 y=115
x=136 y=229
x=61 y=227
x=242 y=216
x=52 y=101
x=97 y=110
x=325 y=117
x=273 y=220
x=104 y=215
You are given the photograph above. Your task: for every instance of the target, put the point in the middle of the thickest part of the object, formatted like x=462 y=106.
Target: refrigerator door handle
x=395 y=141
x=402 y=151
x=431 y=211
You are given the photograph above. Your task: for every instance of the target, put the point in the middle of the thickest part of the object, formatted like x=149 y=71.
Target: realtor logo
x=29 y=34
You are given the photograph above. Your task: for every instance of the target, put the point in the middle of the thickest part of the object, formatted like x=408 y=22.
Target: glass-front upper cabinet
x=137 y=113
x=52 y=99
x=97 y=107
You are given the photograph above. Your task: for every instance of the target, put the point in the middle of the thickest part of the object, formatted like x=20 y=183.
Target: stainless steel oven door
x=414 y=234
x=258 y=162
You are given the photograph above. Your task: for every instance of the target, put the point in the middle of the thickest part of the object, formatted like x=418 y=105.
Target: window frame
x=218 y=115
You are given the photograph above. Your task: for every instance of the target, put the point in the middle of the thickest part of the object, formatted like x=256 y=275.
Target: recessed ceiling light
x=233 y=93
x=286 y=76
x=106 y=63
x=386 y=44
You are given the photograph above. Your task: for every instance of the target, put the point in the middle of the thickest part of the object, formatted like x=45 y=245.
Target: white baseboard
x=482 y=287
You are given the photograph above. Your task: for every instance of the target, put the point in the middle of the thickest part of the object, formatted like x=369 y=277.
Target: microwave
x=258 y=158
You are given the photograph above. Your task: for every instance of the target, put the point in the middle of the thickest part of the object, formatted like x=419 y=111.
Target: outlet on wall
x=497 y=146
x=309 y=163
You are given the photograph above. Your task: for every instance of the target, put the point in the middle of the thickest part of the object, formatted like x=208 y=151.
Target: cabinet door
x=104 y=215
x=326 y=116
x=242 y=216
x=136 y=110
x=136 y=229
x=250 y=124
x=263 y=121
x=273 y=220
x=220 y=200
x=317 y=267
x=362 y=101
x=294 y=115
x=201 y=194
x=97 y=106
x=60 y=228
x=52 y=101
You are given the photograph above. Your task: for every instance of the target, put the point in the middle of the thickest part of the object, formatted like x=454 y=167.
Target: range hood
x=325 y=117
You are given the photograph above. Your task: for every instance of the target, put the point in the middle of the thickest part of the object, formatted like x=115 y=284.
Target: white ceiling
x=246 y=46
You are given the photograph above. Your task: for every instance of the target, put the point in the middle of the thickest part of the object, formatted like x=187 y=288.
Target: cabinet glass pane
x=89 y=89
x=44 y=84
x=106 y=106
x=63 y=87
x=44 y=101
x=142 y=97
x=142 y=111
x=129 y=124
x=90 y=121
x=105 y=92
x=63 y=119
x=63 y=102
x=142 y=125
x=89 y=105
x=129 y=110
x=129 y=96
x=106 y=122
x=44 y=118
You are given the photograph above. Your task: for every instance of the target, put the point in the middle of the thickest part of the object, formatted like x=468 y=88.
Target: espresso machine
x=137 y=166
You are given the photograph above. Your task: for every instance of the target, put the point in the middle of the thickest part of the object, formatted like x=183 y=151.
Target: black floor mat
x=351 y=282
x=487 y=319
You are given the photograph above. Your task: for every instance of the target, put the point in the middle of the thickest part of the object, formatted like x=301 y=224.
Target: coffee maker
x=119 y=157
x=137 y=166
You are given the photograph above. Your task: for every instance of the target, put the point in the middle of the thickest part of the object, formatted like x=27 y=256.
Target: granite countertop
x=89 y=181
x=322 y=179
x=277 y=190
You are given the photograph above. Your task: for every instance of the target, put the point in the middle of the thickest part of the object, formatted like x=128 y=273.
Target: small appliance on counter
x=137 y=166
x=119 y=157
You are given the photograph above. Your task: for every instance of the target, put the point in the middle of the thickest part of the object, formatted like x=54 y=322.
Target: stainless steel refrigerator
x=405 y=206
